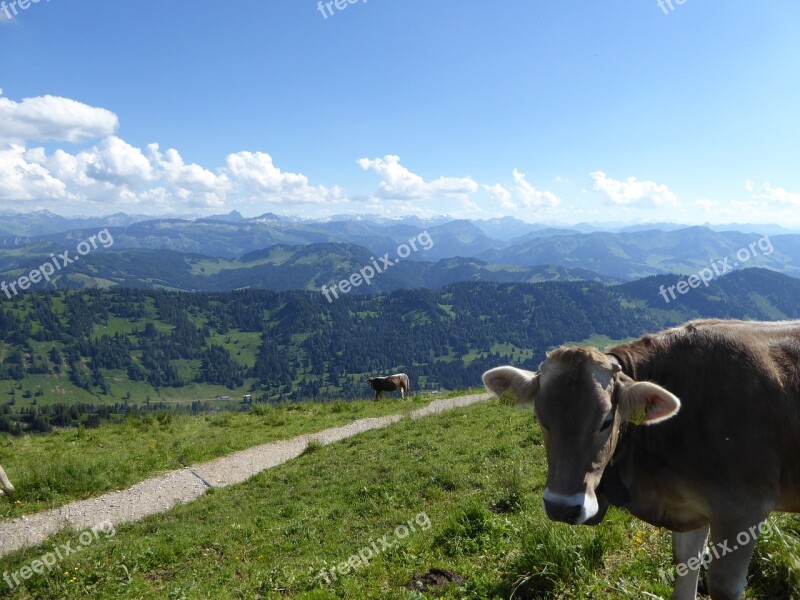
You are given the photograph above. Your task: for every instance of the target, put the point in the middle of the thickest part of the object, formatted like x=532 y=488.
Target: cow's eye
x=607 y=423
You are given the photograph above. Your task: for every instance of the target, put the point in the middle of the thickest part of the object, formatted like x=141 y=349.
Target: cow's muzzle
x=576 y=509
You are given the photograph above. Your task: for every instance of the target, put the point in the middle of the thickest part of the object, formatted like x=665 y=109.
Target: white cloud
x=117 y=162
x=773 y=194
x=66 y=167
x=112 y=172
x=750 y=210
x=115 y=172
x=398 y=183
x=256 y=174
x=500 y=194
x=530 y=196
x=192 y=184
x=632 y=190
x=53 y=118
x=23 y=179
x=108 y=174
x=707 y=205
x=525 y=195
x=471 y=208
x=453 y=186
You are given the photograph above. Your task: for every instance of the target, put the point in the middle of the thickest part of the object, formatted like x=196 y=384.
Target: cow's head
x=582 y=401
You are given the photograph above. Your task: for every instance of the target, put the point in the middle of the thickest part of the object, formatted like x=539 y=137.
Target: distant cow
x=723 y=457
x=5 y=484
x=392 y=383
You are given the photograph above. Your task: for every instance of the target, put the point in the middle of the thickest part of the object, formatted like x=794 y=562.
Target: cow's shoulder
x=713 y=347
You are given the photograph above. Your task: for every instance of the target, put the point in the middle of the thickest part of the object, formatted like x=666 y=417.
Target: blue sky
x=548 y=111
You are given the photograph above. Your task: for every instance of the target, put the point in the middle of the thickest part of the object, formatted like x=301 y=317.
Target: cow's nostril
x=559 y=511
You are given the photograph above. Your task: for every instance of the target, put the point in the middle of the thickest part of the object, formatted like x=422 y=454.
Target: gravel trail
x=160 y=493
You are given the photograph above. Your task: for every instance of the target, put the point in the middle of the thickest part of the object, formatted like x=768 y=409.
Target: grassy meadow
x=454 y=497
x=69 y=464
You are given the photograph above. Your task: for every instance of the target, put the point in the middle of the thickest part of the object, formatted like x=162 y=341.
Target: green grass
x=459 y=492
x=51 y=469
x=242 y=345
x=603 y=342
x=57 y=389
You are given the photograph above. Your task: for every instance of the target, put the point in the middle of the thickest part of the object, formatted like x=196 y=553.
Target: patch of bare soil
x=434 y=580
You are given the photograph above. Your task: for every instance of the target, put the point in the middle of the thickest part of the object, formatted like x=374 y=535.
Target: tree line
x=308 y=348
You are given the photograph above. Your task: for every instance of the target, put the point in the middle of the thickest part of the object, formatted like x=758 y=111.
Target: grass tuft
x=556 y=557
x=468 y=531
x=775 y=568
x=312 y=447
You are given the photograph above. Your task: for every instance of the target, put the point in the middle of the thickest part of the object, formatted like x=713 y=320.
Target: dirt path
x=158 y=494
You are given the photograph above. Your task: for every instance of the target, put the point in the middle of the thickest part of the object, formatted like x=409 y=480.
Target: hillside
x=123 y=346
x=280 y=268
x=755 y=294
x=71 y=356
x=635 y=254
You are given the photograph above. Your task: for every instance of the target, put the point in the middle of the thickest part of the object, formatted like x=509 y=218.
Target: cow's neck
x=627 y=481
x=635 y=358
x=613 y=486
x=624 y=358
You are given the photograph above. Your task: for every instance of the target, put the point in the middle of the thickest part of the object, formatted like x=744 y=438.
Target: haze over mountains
x=42 y=222
x=227 y=252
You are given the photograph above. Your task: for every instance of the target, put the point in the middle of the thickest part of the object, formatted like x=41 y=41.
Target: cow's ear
x=645 y=403
x=512 y=384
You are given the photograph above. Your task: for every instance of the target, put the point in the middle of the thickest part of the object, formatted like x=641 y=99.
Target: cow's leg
x=687 y=546
x=5 y=483
x=732 y=548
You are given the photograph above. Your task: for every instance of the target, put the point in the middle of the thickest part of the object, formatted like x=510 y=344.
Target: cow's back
x=738 y=428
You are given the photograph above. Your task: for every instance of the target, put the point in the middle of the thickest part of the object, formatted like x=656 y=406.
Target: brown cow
x=5 y=484
x=723 y=457
x=392 y=383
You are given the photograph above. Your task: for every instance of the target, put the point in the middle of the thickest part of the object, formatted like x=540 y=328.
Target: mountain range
x=226 y=252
